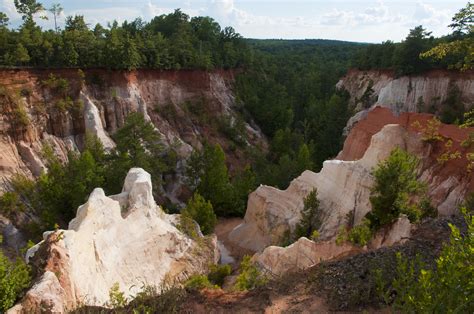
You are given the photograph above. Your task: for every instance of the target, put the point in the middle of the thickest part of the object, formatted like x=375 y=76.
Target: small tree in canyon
x=311 y=216
x=395 y=188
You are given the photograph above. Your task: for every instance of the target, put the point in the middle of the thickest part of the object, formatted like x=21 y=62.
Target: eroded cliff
x=123 y=239
x=184 y=106
x=344 y=184
x=427 y=92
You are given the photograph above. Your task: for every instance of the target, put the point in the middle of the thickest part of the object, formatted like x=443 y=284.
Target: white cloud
x=426 y=14
x=370 y=16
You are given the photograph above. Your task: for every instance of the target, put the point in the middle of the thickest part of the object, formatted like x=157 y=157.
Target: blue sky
x=354 y=20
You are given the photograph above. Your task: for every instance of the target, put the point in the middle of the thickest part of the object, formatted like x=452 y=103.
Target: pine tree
x=202 y=212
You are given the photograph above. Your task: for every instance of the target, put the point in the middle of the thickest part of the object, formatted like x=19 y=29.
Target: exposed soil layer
x=343 y=285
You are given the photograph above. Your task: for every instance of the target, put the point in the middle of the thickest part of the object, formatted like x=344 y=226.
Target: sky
x=352 y=20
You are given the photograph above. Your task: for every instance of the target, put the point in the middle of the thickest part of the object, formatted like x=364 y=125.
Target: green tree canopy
x=395 y=185
x=202 y=212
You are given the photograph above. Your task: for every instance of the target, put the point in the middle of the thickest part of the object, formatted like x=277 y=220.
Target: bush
x=448 y=288
x=310 y=220
x=218 y=273
x=201 y=211
x=10 y=203
x=188 y=226
x=14 y=278
x=361 y=234
x=116 y=297
x=250 y=277
x=198 y=282
x=20 y=117
x=395 y=185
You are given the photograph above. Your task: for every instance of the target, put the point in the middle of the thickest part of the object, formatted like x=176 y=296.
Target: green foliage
x=213 y=280
x=218 y=273
x=457 y=50
x=290 y=93
x=199 y=282
x=56 y=195
x=201 y=211
x=57 y=84
x=138 y=145
x=10 y=202
x=117 y=298
x=310 y=218
x=249 y=276
x=207 y=172
x=407 y=55
x=243 y=184
x=448 y=288
x=452 y=110
x=172 y=41
x=27 y=8
x=14 y=278
x=188 y=226
x=361 y=234
x=20 y=117
x=395 y=184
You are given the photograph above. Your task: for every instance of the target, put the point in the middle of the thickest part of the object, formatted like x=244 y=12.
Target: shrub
x=202 y=212
x=198 y=282
x=315 y=235
x=116 y=297
x=188 y=226
x=218 y=273
x=431 y=132
x=57 y=84
x=20 y=116
x=395 y=185
x=310 y=220
x=14 y=278
x=361 y=234
x=10 y=203
x=250 y=277
x=448 y=288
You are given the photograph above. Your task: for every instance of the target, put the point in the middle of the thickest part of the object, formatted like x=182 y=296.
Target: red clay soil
x=360 y=136
x=194 y=79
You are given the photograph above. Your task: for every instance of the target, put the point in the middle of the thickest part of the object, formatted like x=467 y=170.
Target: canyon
x=127 y=239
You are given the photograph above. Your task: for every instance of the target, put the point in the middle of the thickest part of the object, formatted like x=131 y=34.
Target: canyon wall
x=344 y=184
x=426 y=92
x=186 y=108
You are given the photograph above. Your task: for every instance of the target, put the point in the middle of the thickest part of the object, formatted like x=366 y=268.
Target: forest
x=173 y=41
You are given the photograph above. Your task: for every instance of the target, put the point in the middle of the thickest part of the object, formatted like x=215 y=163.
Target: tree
x=207 y=172
x=27 y=8
x=407 y=55
x=202 y=212
x=243 y=184
x=395 y=185
x=445 y=288
x=138 y=145
x=463 y=21
x=459 y=52
x=3 y=20
x=14 y=278
x=131 y=58
x=310 y=217
x=56 y=10
x=21 y=55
